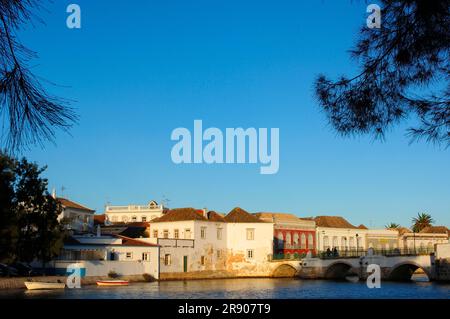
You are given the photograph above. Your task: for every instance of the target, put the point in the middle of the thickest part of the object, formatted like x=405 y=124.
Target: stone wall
x=442 y=268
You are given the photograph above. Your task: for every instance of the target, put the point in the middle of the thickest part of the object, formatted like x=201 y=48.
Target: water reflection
x=245 y=288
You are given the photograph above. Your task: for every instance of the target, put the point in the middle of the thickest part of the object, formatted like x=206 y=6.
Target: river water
x=245 y=288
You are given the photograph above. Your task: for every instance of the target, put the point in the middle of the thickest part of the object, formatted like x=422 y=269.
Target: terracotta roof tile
x=333 y=222
x=435 y=230
x=238 y=215
x=180 y=214
x=71 y=204
x=127 y=241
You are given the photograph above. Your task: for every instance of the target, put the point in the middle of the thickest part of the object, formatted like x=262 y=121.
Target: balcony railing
x=172 y=242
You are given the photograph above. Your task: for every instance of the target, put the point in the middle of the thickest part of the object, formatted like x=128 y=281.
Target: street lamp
x=357 y=244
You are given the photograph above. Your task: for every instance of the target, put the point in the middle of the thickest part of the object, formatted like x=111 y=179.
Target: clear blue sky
x=139 y=69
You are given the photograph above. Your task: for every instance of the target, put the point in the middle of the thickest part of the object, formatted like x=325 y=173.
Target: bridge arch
x=284 y=271
x=404 y=271
x=339 y=270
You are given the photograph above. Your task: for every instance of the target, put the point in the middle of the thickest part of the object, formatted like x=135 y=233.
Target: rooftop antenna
x=165 y=201
x=62 y=190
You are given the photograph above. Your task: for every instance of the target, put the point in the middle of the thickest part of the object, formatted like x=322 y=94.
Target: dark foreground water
x=245 y=288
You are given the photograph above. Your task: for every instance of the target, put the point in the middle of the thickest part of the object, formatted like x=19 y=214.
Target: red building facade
x=292 y=235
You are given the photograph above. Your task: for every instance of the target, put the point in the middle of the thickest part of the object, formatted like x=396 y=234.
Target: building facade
x=382 y=239
x=334 y=232
x=98 y=255
x=425 y=240
x=293 y=236
x=198 y=243
x=133 y=213
x=75 y=216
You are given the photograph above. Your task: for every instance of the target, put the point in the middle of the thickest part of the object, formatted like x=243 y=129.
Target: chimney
x=205 y=212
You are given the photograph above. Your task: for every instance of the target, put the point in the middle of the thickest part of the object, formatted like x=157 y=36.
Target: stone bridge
x=395 y=268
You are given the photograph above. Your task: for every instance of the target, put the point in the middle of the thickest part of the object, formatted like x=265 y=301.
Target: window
x=165 y=233
x=203 y=232
x=129 y=255
x=219 y=253
x=125 y=219
x=250 y=233
x=155 y=233
x=144 y=219
x=310 y=241
x=219 y=233
x=249 y=253
x=114 y=219
x=187 y=233
x=167 y=260
x=280 y=240
x=326 y=242
x=202 y=260
x=335 y=242
x=288 y=238
x=296 y=239
x=303 y=242
x=134 y=219
x=146 y=256
x=176 y=234
x=351 y=242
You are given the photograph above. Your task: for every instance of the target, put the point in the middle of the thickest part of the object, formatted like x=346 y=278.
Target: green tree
x=29 y=227
x=421 y=221
x=404 y=74
x=392 y=226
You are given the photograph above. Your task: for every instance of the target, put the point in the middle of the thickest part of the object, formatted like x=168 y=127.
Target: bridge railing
x=378 y=252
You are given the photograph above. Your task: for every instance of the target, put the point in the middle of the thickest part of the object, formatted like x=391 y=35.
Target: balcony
x=172 y=242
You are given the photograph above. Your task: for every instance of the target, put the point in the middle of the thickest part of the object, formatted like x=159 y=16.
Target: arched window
x=344 y=243
x=144 y=219
x=335 y=242
x=310 y=241
x=288 y=238
x=351 y=243
x=134 y=218
x=430 y=245
x=303 y=242
x=280 y=240
x=296 y=239
x=125 y=219
x=326 y=242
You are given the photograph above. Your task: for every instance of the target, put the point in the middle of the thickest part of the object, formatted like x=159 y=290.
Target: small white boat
x=112 y=283
x=34 y=285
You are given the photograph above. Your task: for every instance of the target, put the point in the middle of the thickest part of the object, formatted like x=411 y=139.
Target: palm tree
x=421 y=221
x=392 y=226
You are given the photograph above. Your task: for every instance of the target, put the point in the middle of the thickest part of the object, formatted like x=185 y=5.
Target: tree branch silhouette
x=408 y=55
x=31 y=114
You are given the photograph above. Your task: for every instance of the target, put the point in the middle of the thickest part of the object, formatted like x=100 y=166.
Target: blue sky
x=139 y=69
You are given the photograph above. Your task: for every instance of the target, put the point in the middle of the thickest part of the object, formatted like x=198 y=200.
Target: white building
x=425 y=240
x=200 y=243
x=336 y=232
x=78 y=217
x=98 y=255
x=382 y=239
x=133 y=213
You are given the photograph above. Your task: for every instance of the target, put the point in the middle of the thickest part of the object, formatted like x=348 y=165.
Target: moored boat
x=35 y=285
x=112 y=283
